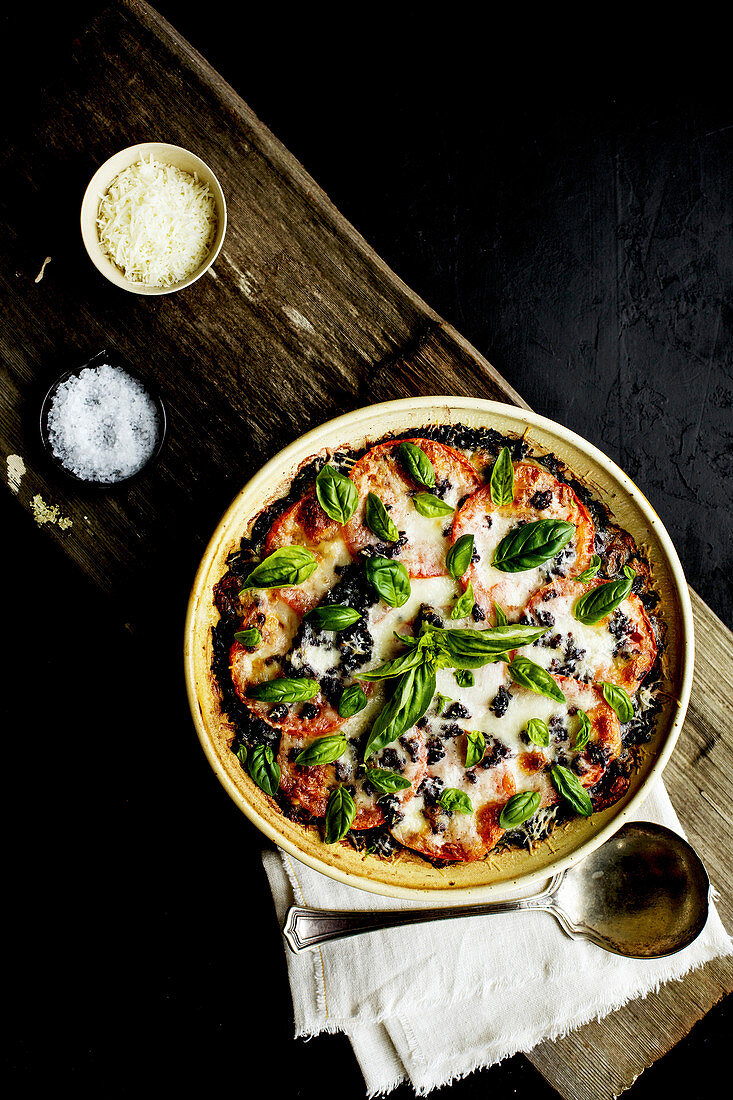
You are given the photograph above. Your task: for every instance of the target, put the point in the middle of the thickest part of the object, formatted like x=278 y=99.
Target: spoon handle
x=305 y=928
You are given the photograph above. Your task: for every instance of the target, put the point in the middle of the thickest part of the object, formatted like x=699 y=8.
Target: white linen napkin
x=434 y=1002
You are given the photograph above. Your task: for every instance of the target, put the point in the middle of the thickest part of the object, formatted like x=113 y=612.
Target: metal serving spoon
x=644 y=893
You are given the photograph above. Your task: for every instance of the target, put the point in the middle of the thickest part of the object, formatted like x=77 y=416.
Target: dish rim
x=310 y=443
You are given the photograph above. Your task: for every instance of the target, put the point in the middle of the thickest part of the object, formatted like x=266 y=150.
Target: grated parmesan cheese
x=157 y=223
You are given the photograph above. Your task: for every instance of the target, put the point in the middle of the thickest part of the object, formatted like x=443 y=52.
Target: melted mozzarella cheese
x=525 y=766
x=429 y=828
x=277 y=623
x=509 y=727
x=330 y=554
x=478 y=697
x=582 y=651
x=424 y=530
x=438 y=592
x=511 y=590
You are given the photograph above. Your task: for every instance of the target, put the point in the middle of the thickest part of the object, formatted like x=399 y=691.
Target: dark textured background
x=579 y=235
x=580 y=238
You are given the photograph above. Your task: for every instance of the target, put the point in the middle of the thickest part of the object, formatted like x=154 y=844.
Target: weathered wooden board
x=298 y=321
x=287 y=332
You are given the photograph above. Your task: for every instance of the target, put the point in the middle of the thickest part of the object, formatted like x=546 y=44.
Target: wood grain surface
x=298 y=321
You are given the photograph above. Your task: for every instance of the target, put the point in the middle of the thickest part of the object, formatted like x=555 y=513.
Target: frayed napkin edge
x=319 y=975
x=639 y=993
x=592 y=1014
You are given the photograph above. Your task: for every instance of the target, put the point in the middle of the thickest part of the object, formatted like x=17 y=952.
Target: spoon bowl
x=643 y=894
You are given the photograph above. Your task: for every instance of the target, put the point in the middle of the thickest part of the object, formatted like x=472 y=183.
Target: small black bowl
x=113 y=359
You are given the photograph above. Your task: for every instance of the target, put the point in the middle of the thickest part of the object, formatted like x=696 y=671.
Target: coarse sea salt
x=102 y=424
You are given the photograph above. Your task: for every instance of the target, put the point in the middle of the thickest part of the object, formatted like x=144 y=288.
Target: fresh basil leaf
x=572 y=790
x=538 y=732
x=455 y=801
x=464 y=604
x=417 y=464
x=519 y=809
x=284 y=567
x=395 y=667
x=340 y=812
x=415 y=703
x=412 y=696
x=465 y=647
x=532 y=544
x=601 y=601
x=387 y=782
x=617 y=698
x=264 y=769
x=389 y=723
x=353 y=699
x=501 y=620
x=333 y=616
x=589 y=573
x=337 y=494
x=390 y=578
x=252 y=637
x=431 y=506
x=459 y=556
x=464 y=678
x=284 y=690
x=324 y=750
x=530 y=675
x=425 y=639
x=582 y=737
x=441 y=702
x=241 y=753
x=378 y=519
x=501 y=483
x=475 y=747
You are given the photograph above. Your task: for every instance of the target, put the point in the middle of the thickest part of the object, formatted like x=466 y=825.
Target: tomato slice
x=537 y=495
x=462 y=837
x=306 y=524
x=620 y=649
x=605 y=732
x=380 y=471
x=278 y=623
x=309 y=788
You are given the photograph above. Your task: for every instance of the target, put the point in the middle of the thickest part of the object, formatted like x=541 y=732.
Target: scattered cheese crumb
x=48 y=513
x=16 y=469
x=39 y=276
x=102 y=424
x=157 y=223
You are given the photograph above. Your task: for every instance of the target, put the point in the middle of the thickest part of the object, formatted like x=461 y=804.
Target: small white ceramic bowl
x=98 y=186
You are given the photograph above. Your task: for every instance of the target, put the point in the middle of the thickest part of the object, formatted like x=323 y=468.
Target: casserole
x=409 y=875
